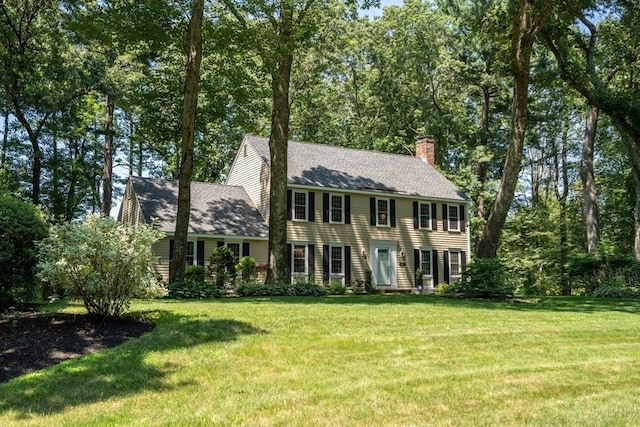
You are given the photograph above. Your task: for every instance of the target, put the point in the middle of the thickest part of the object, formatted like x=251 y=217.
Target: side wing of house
x=336 y=236
x=250 y=170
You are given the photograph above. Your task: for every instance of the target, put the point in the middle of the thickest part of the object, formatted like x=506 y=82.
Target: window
x=382 y=212
x=299 y=259
x=190 y=253
x=337 y=205
x=454 y=224
x=336 y=260
x=425 y=262
x=455 y=263
x=300 y=205
x=235 y=249
x=425 y=216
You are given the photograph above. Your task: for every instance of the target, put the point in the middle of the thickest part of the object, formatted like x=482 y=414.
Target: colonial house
x=349 y=211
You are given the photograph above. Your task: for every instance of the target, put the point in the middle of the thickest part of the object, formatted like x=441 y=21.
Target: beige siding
x=250 y=172
x=257 y=249
x=359 y=234
x=130 y=212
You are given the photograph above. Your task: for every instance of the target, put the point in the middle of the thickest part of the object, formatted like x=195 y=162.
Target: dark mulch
x=30 y=341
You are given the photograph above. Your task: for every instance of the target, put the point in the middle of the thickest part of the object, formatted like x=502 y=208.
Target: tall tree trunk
x=33 y=134
x=190 y=106
x=5 y=139
x=589 y=183
x=279 y=269
x=482 y=169
x=634 y=157
x=524 y=31
x=561 y=196
x=107 y=171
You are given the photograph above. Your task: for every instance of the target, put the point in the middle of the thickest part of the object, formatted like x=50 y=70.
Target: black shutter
x=372 y=210
x=416 y=215
x=325 y=263
x=200 y=252
x=312 y=206
x=347 y=209
x=312 y=262
x=393 y=212
x=171 y=247
x=446 y=266
x=434 y=266
x=462 y=219
x=289 y=256
x=220 y=243
x=416 y=264
x=325 y=207
x=445 y=217
x=463 y=260
x=245 y=249
x=434 y=217
x=347 y=265
x=289 y=204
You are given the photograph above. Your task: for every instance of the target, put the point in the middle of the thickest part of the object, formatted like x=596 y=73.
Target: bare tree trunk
x=190 y=106
x=279 y=269
x=5 y=139
x=482 y=170
x=634 y=157
x=561 y=196
x=107 y=171
x=589 y=183
x=524 y=31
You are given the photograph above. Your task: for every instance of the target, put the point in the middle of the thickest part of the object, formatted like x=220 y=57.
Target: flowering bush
x=102 y=263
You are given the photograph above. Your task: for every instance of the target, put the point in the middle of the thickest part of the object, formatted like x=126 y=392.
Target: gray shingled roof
x=215 y=209
x=351 y=169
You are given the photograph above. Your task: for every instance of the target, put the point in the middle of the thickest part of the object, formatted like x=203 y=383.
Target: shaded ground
x=30 y=341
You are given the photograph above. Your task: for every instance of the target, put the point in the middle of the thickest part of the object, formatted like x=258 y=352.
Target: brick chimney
x=425 y=149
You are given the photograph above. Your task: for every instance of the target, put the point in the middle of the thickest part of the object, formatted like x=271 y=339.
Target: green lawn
x=372 y=360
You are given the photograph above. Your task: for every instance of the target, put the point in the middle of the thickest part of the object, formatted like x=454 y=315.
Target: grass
x=346 y=360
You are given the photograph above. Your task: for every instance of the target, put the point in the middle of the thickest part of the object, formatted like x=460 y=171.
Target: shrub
x=246 y=267
x=194 y=273
x=102 y=263
x=484 y=278
x=193 y=290
x=368 y=281
x=280 y=289
x=336 y=287
x=222 y=267
x=22 y=225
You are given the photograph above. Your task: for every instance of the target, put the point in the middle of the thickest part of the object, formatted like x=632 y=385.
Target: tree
x=101 y=263
x=22 y=226
x=190 y=106
x=528 y=20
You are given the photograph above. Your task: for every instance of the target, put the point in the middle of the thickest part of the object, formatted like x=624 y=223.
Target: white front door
x=383 y=263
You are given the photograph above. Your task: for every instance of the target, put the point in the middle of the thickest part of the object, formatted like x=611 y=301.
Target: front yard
x=351 y=360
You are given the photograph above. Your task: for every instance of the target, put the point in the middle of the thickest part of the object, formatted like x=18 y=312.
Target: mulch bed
x=30 y=341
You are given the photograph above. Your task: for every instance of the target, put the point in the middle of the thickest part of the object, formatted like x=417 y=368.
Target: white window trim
x=428 y=227
x=388 y=224
x=427 y=249
x=193 y=244
x=331 y=196
x=459 y=252
x=293 y=205
x=453 y=225
x=235 y=241
x=306 y=259
x=331 y=273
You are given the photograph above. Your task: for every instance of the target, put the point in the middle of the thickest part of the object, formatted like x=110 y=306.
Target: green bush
x=102 y=263
x=368 y=281
x=483 y=278
x=336 y=287
x=246 y=268
x=193 y=290
x=222 y=268
x=22 y=225
x=280 y=289
x=194 y=274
